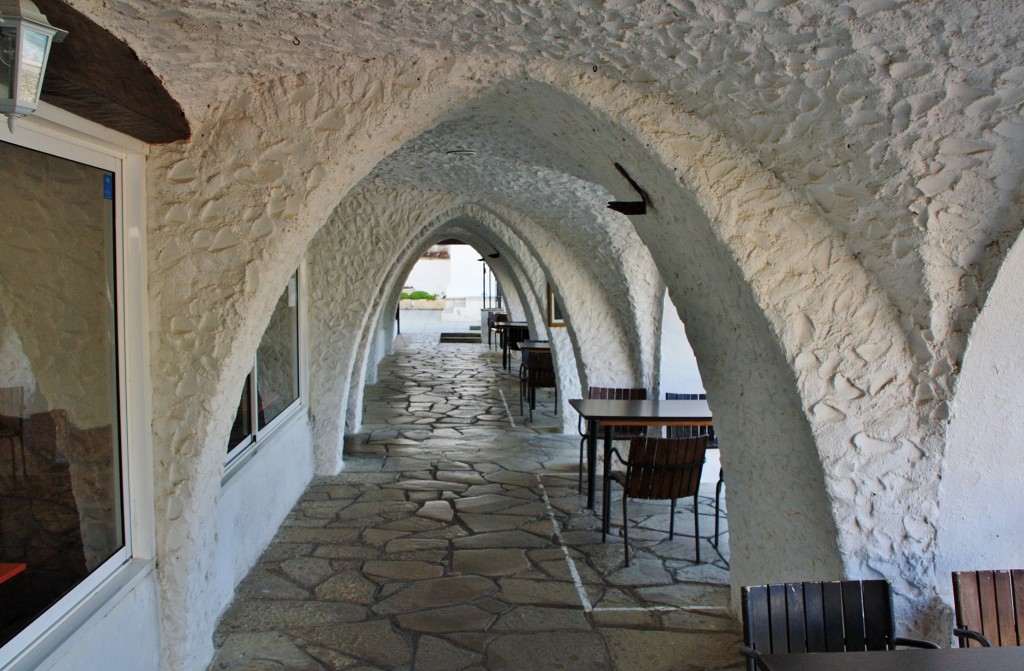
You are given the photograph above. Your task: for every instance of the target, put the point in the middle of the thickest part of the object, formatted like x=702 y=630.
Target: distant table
x=602 y=413
x=8 y=571
x=945 y=659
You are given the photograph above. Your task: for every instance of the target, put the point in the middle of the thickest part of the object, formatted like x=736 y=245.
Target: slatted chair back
x=687 y=431
x=540 y=370
x=515 y=335
x=618 y=432
x=621 y=394
x=664 y=468
x=818 y=617
x=990 y=603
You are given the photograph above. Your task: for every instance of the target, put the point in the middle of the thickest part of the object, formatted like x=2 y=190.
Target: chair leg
x=625 y=526
x=696 y=529
x=718 y=506
x=672 y=521
x=583 y=443
x=521 y=395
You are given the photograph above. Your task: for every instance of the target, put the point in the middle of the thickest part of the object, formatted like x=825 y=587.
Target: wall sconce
x=630 y=207
x=25 y=40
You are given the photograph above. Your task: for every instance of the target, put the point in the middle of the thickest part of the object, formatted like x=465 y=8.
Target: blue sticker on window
x=108 y=187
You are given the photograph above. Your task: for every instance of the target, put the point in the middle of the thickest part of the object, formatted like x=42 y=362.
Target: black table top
x=946 y=659
x=653 y=410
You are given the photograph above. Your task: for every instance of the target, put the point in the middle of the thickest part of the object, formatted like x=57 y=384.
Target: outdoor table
x=604 y=413
x=943 y=659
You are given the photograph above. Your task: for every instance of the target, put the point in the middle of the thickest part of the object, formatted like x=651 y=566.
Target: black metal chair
x=831 y=616
x=989 y=608
x=662 y=468
x=537 y=372
x=709 y=431
x=493 y=328
x=511 y=338
x=619 y=432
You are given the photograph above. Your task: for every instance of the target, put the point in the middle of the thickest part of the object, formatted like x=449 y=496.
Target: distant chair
x=989 y=608
x=618 y=432
x=834 y=616
x=12 y=408
x=665 y=469
x=537 y=372
x=512 y=336
x=709 y=431
x=493 y=328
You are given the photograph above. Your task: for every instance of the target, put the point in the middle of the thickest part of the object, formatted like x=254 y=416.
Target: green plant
x=419 y=295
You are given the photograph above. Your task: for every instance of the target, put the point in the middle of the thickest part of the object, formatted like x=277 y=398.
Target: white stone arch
x=410 y=228
x=227 y=233
x=981 y=495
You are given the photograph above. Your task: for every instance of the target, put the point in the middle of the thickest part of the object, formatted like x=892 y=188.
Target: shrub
x=419 y=295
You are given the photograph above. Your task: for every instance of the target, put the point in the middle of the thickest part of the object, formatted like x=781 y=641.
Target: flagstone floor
x=454 y=540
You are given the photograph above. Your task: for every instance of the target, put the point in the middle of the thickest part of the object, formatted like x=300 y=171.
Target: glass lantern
x=25 y=39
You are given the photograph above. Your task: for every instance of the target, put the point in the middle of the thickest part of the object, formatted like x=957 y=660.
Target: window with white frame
x=271 y=390
x=64 y=519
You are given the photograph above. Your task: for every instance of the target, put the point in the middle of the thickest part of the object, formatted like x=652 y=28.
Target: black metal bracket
x=633 y=206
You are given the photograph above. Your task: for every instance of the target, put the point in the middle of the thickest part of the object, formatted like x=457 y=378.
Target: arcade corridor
x=435 y=549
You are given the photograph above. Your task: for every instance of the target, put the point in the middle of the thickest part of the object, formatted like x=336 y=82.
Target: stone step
x=460 y=337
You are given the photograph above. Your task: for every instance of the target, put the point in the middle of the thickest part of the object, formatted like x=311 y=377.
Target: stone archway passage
x=444 y=544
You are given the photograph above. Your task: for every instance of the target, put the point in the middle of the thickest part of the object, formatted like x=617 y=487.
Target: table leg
x=591 y=461
x=606 y=484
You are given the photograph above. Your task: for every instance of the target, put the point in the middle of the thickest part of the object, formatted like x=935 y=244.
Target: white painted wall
x=466 y=278
x=981 y=497
x=257 y=498
x=430 y=275
x=126 y=638
x=679 y=372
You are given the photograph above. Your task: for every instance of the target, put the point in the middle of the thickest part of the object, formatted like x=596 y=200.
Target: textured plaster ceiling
x=861 y=108
x=530 y=154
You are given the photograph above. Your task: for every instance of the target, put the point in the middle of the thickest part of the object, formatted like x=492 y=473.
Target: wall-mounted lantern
x=25 y=39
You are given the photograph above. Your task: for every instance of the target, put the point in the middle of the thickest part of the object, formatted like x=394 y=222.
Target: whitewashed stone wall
x=834 y=189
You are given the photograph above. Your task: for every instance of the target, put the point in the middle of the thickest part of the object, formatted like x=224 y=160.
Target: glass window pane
x=277 y=359
x=33 y=52
x=7 y=54
x=60 y=458
x=242 y=427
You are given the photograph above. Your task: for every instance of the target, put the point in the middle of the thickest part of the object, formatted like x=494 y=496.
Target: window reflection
x=60 y=466
x=274 y=382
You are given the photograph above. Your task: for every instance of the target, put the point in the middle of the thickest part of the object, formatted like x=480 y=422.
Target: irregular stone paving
x=437 y=549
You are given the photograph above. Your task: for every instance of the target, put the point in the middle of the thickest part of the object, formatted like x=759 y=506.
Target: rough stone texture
x=834 y=188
